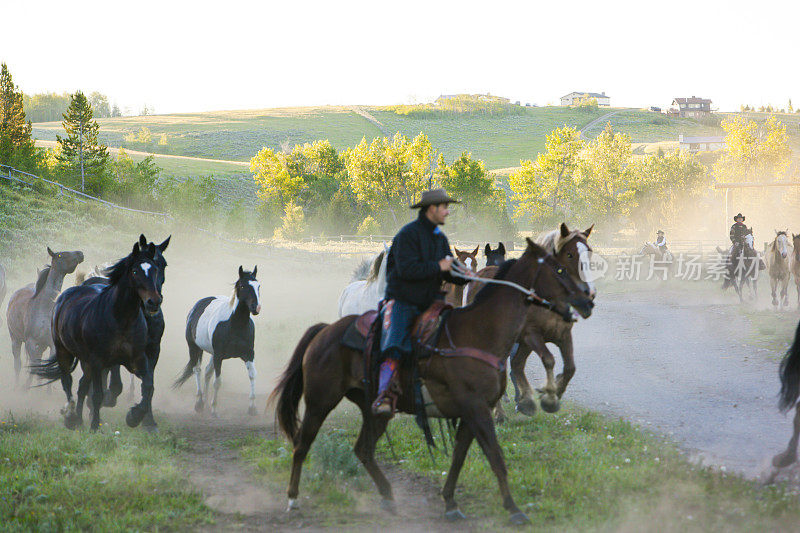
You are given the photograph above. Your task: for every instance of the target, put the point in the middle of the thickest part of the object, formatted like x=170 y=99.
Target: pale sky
x=199 y=56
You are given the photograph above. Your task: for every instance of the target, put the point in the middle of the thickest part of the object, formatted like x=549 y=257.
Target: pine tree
x=81 y=149
x=15 y=133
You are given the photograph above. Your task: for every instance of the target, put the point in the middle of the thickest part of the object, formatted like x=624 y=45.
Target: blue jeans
x=397 y=319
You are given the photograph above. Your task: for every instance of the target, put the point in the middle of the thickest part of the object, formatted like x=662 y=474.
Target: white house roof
x=591 y=95
x=697 y=140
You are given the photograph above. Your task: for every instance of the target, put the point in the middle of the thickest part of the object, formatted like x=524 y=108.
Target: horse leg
x=524 y=393
x=568 y=359
x=114 y=386
x=34 y=355
x=789 y=455
x=464 y=439
x=16 y=349
x=197 y=370
x=97 y=397
x=138 y=411
x=84 y=384
x=152 y=351
x=479 y=419
x=251 y=373
x=312 y=420
x=71 y=418
x=548 y=394
x=372 y=428
x=217 y=384
x=772 y=285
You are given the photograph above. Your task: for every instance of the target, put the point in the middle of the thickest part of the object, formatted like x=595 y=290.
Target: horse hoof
x=214 y=414
x=199 y=406
x=388 y=506
x=134 y=417
x=292 y=505
x=454 y=515
x=784 y=459
x=72 y=421
x=150 y=428
x=252 y=410
x=550 y=403
x=519 y=519
x=109 y=401
x=526 y=406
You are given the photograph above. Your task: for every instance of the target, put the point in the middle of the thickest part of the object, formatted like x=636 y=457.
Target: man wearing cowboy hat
x=738 y=229
x=418 y=261
x=661 y=242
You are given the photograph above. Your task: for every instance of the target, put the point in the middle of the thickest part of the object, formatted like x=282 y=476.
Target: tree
x=271 y=173
x=81 y=149
x=115 y=112
x=99 y=103
x=16 y=144
x=753 y=152
x=467 y=180
x=545 y=188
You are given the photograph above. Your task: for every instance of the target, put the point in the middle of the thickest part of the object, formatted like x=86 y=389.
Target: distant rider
x=661 y=243
x=738 y=232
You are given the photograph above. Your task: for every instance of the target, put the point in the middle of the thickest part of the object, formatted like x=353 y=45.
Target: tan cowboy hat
x=434 y=197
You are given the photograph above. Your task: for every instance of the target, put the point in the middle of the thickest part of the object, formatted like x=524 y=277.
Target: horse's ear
x=241 y=271
x=135 y=248
x=163 y=245
x=475 y=251
x=50 y=252
x=255 y=270
x=142 y=241
x=588 y=230
x=533 y=247
x=487 y=250
x=564 y=230
x=501 y=248
x=456 y=249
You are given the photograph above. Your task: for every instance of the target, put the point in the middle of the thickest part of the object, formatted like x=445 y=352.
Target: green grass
x=53 y=479
x=574 y=471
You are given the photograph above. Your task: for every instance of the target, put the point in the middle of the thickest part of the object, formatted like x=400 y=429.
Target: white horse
x=777 y=256
x=363 y=295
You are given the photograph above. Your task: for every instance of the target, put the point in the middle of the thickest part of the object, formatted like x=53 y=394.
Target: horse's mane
x=232 y=301
x=490 y=288
x=553 y=242
x=117 y=270
x=375 y=268
x=41 y=280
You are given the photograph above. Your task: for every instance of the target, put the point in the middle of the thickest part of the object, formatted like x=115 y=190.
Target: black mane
x=41 y=280
x=116 y=272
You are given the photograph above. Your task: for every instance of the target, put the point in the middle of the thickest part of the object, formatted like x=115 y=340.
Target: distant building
x=574 y=97
x=700 y=144
x=693 y=107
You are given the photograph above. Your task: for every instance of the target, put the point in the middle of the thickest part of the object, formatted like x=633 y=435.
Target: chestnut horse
x=324 y=371
x=571 y=249
x=455 y=293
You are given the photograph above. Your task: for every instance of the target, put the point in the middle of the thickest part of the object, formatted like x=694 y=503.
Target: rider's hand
x=445 y=264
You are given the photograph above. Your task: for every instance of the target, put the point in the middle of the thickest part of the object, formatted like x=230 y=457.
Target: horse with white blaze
x=221 y=326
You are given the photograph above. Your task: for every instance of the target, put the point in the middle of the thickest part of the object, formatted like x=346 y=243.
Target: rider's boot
x=387 y=385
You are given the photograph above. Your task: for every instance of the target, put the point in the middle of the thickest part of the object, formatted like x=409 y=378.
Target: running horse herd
x=114 y=320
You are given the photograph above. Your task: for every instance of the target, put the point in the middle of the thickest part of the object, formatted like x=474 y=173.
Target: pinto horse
x=794 y=264
x=112 y=380
x=222 y=327
x=364 y=293
x=31 y=308
x=777 y=258
x=102 y=326
x=743 y=265
x=324 y=371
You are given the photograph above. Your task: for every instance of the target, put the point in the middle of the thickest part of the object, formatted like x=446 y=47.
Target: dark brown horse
x=30 y=308
x=324 y=371
x=572 y=250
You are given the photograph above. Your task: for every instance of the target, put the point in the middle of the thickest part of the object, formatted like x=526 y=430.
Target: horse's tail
x=50 y=369
x=790 y=375
x=290 y=386
x=188 y=370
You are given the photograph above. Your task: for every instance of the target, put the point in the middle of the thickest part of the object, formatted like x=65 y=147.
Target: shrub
x=369 y=226
x=294 y=224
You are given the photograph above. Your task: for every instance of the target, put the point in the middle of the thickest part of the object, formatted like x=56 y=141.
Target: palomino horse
x=222 y=327
x=155 y=330
x=114 y=314
x=790 y=390
x=30 y=309
x=364 y=294
x=495 y=257
x=456 y=295
x=324 y=371
x=777 y=255
x=571 y=249
x=743 y=267
x=794 y=265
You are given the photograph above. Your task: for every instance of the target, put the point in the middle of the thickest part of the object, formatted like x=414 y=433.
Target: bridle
x=531 y=297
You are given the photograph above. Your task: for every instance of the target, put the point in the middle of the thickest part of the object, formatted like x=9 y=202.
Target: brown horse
x=324 y=371
x=30 y=309
x=794 y=264
x=571 y=249
x=455 y=293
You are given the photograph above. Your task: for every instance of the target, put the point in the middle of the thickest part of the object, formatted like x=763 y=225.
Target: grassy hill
x=501 y=141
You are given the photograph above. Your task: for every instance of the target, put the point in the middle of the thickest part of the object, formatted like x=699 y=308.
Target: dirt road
x=682 y=367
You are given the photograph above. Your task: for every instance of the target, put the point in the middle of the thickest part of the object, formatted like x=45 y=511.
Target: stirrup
x=383 y=407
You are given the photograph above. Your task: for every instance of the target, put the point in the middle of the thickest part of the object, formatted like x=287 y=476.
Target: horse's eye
x=569 y=254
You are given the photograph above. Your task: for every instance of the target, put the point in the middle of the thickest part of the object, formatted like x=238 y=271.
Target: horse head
x=573 y=251
x=248 y=290
x=139 y=273
x=65 y=262
x=469 y=259
x=553 y=283
x=158 y=257
x=781 y=243
x=495 y=257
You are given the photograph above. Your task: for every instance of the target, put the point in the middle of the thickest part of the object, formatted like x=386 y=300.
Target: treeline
x=461 y=104
x=49 y=107
x=367 y=188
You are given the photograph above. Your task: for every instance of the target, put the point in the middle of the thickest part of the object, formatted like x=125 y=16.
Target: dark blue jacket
x=412 y=269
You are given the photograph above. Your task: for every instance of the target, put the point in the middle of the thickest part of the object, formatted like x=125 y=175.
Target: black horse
x=222 y=326
x=743 y=265
x=495 y=257
x=112 y=387
x=102 y=326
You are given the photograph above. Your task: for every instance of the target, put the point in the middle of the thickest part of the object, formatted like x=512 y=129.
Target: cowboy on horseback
x=418 y=262
x=737 y=233
x=661 y=242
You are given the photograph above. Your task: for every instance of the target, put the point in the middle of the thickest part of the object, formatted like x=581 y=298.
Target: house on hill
x=693 y=107
x=700 y=144
x=574 y=97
